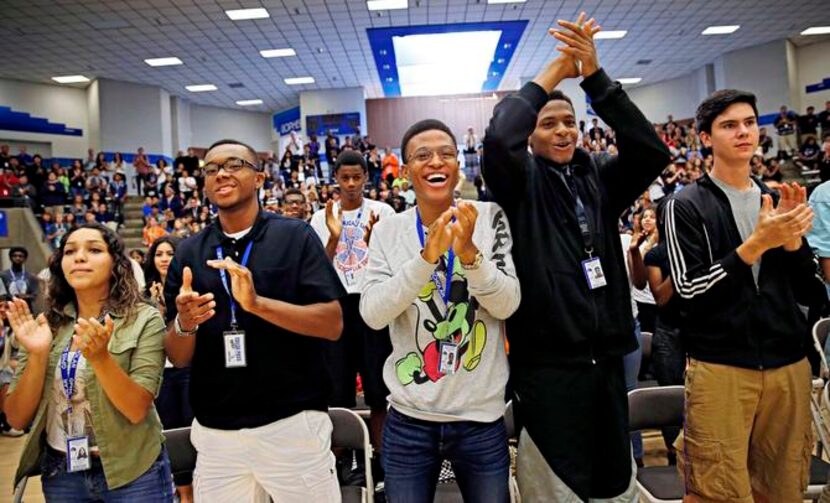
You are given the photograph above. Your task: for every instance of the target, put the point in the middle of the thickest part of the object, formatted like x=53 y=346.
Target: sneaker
x=11 y=432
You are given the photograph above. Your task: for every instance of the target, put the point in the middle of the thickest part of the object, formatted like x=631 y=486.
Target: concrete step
x=131 y=243
x=131 y=232
x=133 y=222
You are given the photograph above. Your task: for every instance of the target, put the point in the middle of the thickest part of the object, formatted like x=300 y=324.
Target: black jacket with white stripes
x=725 y=317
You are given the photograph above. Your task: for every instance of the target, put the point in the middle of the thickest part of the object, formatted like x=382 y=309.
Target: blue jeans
x=154 y=486
x=413 y=450
x=631 y=365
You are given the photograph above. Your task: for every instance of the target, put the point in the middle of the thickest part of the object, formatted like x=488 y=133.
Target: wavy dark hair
x=151 y=274
x=124 y=295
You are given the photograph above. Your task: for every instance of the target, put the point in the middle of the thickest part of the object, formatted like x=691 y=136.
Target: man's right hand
x=193 y=309
x=439 y=238
x=334 y=224
x=32 y=333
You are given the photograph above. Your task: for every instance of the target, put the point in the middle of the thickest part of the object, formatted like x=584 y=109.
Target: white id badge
x=593 y=273
x=449 y=357
x=349 y=276
x=235 y=349
x=77 y=454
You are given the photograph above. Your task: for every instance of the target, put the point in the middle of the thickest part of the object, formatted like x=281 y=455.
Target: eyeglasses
x=231 y=165
x=424 y=155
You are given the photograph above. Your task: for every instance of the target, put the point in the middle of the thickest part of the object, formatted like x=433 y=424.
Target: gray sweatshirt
x=399 y=291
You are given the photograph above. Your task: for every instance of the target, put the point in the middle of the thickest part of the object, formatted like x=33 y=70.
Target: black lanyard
x=581 y=214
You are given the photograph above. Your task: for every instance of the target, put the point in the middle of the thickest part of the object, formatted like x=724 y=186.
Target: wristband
x=184 y=333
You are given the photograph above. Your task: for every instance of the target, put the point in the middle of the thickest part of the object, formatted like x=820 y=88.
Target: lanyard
x=223 y=274
x=581 y=214
x=355 y=223
x=68 y=370
x=444 y=291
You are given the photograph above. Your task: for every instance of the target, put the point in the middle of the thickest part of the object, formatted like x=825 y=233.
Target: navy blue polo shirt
x=285 y=372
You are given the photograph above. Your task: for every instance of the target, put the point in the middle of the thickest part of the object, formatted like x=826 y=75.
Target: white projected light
x=163 y=61
x=817 y=30
x=295 y=81
x=70 y=79
x=277 y=53
x=444 y=63
x=506 y=1
x=248 y=103
x=629 y=80
x=610 y=35
x=200 y=88
x=721 y=30
x=387 y=4
x=243 y=14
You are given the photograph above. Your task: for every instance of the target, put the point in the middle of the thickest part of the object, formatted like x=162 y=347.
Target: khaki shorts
x=746 y=430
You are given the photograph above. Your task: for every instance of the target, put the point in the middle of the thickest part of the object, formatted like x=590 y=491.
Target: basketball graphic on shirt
x=352 y=253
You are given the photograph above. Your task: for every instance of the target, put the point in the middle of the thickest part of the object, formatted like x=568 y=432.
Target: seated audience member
x=785 y=124
x=808 y=154
x=442 y=278
x=808 y=125
x=19 y=282
x=267 y=381
x=152 y=231
x=52 y=193
x=739 y=286
x=8 y=363
x=89 y=369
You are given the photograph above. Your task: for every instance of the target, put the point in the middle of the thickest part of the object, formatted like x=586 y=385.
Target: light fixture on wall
x=248 y=103
x=295 y=81
x=201 y=88
x=163 y=61
x=505 y=1
x=629 y=80
x=243 y=14
x=610 y=34
x=277 y=53
x=817 y=30
x=721 y=30
x=387 y=4
x=70 y=79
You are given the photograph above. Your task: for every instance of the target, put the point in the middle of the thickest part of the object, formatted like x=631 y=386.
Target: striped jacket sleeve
x=694 y=271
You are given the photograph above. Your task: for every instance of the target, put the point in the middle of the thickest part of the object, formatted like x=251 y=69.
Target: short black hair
x=421 y=126
x=19 y=249
x=718 y=102
x=228 y=141
x=293 y=191
x=350 y=158
x=556 y=94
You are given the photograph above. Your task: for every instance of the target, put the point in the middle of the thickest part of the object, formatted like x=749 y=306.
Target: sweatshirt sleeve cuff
x=418 y=271
x=477 y=278
x=597 y=84
x=733 y=263
x=801 y=257
x=534 y=94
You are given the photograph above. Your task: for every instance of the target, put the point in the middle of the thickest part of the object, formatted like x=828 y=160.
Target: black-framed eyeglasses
x=231 y=165
x=424 y=155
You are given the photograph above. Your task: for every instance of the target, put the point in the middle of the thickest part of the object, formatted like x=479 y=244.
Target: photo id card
x=449 y=357
x=77 y=454
x=235 y=349
x=349 y=276
x=593 y=273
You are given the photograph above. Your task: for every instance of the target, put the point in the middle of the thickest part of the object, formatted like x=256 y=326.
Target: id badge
x=77 y=454
x=449 y=357
x=235 y=349
x=594 y=274
x=349 y=276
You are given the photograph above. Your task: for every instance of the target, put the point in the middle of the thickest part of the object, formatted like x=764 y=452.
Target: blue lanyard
x=445 y=292
x=68 y=370
x=356 y=225
x=223 y=274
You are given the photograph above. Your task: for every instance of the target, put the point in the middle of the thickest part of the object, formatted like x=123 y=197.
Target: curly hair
x=124 y=295
x=151 y=273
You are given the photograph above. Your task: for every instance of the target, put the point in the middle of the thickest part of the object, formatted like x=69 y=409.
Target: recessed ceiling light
x=200 y=88
x=277 y=53
x=629 y=80
x=243 y=14
x=506 y=1
x=247 y=103
x=817 y=30
x=387 y=4
x=293 y=81
x=610 y=35
x=163 y=61
x=70 y=79
x=721 y=30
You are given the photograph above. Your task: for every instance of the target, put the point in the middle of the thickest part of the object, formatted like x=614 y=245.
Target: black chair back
x=653 y=408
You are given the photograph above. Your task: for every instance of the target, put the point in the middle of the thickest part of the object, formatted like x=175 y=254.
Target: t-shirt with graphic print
x=352 y=254
x=402 y=290
x=62 y=424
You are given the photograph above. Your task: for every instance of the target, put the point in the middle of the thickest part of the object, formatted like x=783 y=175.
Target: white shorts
x=289 y=460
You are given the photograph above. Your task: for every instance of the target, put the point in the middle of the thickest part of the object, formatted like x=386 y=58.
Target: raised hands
x=193 y=309
x=334 y=223
x=785 y=225
x=91 y=337
x=373 y=219
x=32 y=333
x=242 y=281
x=793 y=196
x=579 y=42
x=462 y=231
x=439 y=237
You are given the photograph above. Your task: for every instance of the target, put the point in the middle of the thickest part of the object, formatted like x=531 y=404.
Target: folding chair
x=350 y=432
x=655 y=408
x=20 y=488
x=181 y=452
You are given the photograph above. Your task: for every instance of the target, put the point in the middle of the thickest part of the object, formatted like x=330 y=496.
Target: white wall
x=180 y=123
x=94 y=115
x=813 y=63
x=132 y=116
x=762 y=70
x=209 y=124
x=677 y=97
x=64 y=104
x=333 y=101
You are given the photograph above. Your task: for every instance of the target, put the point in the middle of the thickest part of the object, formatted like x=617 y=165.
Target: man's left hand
x=579 y=42
x=462 y=230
